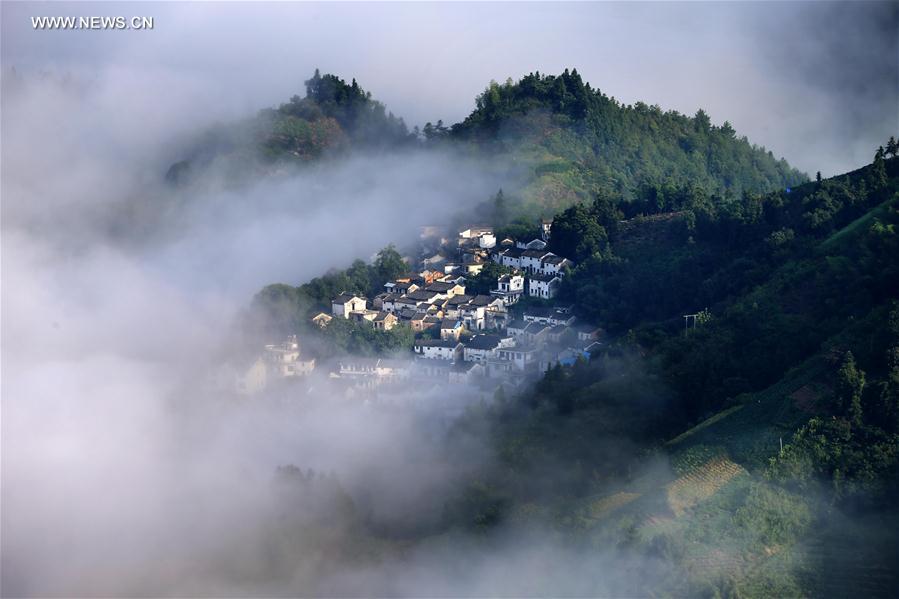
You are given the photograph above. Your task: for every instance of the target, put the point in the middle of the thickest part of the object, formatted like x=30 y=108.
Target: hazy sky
x=816 y=83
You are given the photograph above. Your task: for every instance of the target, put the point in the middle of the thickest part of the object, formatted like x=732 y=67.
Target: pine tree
x=889 y=393
x=849 y=388
x=892 y=146
x=878 y=177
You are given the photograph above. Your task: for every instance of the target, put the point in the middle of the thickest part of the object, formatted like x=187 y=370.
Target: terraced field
x=700 y=484
x=606 y=505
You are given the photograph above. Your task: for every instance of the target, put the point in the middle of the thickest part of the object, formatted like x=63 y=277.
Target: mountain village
x=487 y=341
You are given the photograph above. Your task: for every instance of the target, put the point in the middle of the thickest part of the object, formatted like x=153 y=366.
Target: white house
x=475 y=231
x=384 y=321
x=450 y=328
x=361 y=316
x=400 y=286
x=510 y=257
x=535 y=334
x=533 y=244
x=388 y=302
x=446 y=288
x=487 y=241
x=511 y=283
x=543 y=286
x=549 y=315
x=532 y=260
x=480 y=348
x=546 y=225
x=472 y=316
x=522 y=357
x=283 y=359
x=282 y=355
x=452 y=308
x=352 y=367
x=466 y=372
x=438 y=349
x=489 y=302
x=345 y=303
x=516 y=328
x=555 y=265
x=509 y=288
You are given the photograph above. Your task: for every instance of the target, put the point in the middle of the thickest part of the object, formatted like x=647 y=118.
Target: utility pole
x=688 y=320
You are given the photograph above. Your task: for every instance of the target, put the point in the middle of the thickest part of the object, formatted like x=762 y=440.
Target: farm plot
x=700 y=484
x=604 y=506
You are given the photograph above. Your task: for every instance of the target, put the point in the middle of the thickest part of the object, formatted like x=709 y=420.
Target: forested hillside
x=576 y=141
x=557 y=139
x=332 y=117
x=790 y=374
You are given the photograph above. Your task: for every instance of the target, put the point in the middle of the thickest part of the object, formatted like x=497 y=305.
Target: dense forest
x=578 y=141
x=788 y=378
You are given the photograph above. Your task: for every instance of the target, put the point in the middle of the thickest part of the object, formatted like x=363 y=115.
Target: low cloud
x=125 y=471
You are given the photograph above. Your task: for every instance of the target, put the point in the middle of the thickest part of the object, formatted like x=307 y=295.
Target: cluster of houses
x=437 y=293
x=538 y=272
x=426 y=301
x=524 y=349
x=460 y=337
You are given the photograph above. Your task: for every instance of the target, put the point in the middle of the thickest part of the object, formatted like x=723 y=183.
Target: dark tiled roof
x=440 y=287
x=457 y=300
x=422 y=295
x=512 y=252
x=482 y=300
x=484 y=342
x=344 y=298
x=553 y=259
x=535 y=328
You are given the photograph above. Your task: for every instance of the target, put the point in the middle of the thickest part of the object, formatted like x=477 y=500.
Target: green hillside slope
x=576 y=141
x=756 y=454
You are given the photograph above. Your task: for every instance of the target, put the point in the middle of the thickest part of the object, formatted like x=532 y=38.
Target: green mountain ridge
x=579 y=141
x=560 y=140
